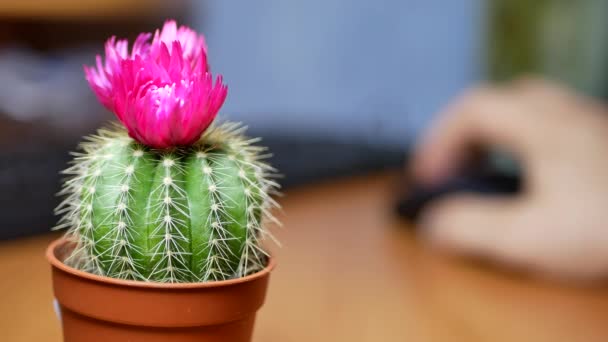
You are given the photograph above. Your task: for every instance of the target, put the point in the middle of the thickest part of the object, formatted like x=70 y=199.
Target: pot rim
x=55 y=262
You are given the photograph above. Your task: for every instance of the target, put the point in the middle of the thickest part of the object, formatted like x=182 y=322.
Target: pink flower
x=161 y=91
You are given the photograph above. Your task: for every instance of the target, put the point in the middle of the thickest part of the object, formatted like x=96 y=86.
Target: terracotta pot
x=95 y=308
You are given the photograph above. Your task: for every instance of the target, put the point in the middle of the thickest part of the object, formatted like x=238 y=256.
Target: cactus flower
x=162 y=91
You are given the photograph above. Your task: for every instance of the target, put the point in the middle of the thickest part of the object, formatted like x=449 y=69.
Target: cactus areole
x=166 y=195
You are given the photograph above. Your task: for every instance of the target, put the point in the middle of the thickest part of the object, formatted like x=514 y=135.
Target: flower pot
x=95 y=308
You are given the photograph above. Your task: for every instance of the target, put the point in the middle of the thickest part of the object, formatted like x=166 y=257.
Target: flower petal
x=161 y=91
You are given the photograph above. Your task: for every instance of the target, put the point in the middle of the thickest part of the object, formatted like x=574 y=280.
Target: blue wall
x=349 y=70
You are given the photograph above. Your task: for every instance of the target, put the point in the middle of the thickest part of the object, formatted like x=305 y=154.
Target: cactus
x=184 y=214
x=167 y=196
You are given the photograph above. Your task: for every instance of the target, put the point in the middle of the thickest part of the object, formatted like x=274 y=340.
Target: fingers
x=545 y=93
x=492 y=227
x=517 y=233
x=486 y=116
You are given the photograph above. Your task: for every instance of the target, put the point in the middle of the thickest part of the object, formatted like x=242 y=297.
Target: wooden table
x=350 y=271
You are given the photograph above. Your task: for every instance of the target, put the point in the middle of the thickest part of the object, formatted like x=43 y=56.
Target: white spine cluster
x=122 y=263
x=79 y=192
x=217 y=263
x=170 y=223
x=258 y=184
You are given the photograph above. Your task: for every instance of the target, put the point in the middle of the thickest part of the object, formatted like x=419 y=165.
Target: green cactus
x=181 y=215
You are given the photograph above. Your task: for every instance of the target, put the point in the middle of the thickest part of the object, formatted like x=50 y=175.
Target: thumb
x=488 y=226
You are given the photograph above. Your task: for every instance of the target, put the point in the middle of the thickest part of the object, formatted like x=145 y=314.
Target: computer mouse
x=489 y=174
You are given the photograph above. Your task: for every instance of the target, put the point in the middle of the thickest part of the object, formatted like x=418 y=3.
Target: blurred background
x=334 y=87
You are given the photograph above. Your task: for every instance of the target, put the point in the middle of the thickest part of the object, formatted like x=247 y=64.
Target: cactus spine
x=182 y=215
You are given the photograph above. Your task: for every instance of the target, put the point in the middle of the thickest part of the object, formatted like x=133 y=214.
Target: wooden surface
x=349 y=271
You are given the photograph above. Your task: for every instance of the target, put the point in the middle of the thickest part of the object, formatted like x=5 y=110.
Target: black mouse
x=491 y=173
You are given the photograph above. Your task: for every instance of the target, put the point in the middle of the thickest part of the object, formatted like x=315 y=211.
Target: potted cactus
x=163 y=211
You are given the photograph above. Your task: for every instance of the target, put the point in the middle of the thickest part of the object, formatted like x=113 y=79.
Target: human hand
x=558 y=225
